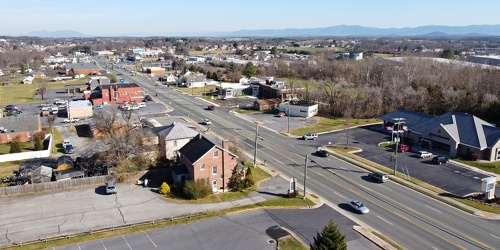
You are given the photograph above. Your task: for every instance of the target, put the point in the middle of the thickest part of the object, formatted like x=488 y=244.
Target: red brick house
x=114 y=94
x=20 y=127
x=204 y=159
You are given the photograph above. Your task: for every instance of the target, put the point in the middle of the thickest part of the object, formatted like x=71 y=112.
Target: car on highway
x=147 y=98
x=358 y=206
x=111 y=187
x=440 y=159
x=69 y=149
x=322 y=153
x=310 y=136
x=378 y=176
x=211 y=107
x=207 y=122
x=425 y=154
x=71 y=120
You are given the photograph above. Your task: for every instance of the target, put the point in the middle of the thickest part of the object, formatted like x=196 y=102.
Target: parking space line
x=123 y=236
x=102 y=244
x=150 y=239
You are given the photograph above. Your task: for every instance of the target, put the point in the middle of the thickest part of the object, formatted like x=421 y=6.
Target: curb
x=368 y=234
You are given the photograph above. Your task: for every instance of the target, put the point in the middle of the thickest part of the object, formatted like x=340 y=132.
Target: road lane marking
x=339 y=195
x=384 y=220
x=495 y=236
x=439 y=211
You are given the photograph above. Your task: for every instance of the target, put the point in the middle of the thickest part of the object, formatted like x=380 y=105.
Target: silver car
x=110 y=187
x=358 y=206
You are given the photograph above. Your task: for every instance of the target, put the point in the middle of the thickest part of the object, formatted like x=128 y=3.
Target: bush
x=330 y=238
x=196 y=189
x=15 y=147
x=164 y=188
x=38 y=145
x=236 y=181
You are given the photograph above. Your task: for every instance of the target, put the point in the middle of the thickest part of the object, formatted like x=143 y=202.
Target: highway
x=411 y=219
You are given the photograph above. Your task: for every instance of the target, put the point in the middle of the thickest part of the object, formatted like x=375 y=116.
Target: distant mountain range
x=333 y=31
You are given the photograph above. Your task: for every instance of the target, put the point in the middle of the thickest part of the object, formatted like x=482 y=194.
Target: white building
x=299 y=110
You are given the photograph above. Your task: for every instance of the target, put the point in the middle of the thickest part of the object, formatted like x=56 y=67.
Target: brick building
x=114 y=94
x=73 y=69
x=204 y=159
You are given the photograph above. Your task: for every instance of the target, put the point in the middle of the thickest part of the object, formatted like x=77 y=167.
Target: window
x=216 y=154
x=175 y=143
x=9 y=137
x=214 y=170
x=202 y=166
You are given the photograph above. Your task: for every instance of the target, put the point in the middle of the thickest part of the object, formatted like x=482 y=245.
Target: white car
x=207 y=122
x=358 y=206
x=425 y=154
x=71 y=120
x=66 y=142
x=310 y=136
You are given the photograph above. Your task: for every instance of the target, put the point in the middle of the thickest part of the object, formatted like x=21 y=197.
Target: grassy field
x=203 y=52
x=329 y=124
x=290 y=243
x=195 y=91
x=309 y=49
x=20 y=93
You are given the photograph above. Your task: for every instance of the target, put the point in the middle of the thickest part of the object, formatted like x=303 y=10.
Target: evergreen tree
x=231 y=67
x=330 y=239
x=236 y=181
x=15 y=147
x=250 y=70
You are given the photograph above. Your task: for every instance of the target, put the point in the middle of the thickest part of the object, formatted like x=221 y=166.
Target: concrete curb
x=368 y=234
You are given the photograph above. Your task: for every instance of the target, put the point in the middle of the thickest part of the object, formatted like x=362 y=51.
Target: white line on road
x=384 y=220
x=495 y=236
x=435 y=248
x=150 y=239
x=78 y=244
x=434 y=209
x=385 y=187
x=339 y=194
x=102 y=244
x=126 y=242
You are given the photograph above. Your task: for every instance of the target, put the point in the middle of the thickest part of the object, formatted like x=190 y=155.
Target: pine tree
x=330 y=239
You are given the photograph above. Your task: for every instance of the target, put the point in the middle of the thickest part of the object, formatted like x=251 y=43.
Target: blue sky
x=111 y=17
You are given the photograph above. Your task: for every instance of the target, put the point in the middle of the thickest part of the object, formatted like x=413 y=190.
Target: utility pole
x=305 y=175
x=288 y=115
x=397 y=144
x=256 y=137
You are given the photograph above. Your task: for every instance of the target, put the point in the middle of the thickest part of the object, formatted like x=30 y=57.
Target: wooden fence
x=54 y=186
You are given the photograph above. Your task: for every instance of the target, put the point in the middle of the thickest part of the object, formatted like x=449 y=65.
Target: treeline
x=374 y=86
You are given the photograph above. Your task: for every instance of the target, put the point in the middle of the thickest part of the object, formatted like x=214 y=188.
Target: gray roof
x=466 y=129
x=177 y=131
x=81 y=66
x=20 y=123
x=198 y=147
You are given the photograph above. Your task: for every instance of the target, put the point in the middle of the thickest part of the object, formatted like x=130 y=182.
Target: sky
x=118 y=17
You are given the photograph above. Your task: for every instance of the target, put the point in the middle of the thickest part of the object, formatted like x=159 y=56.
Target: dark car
x=380 y=177
x=12 y=108
x=211 y=107
x=69 y=149
x=440 y=160
x=322 y=153
x=147 y=98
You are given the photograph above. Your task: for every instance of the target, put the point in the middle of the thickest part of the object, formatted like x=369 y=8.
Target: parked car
x=358 y=206
x=66 y=142
x=97 y=107
x=440 y=159
x=11 y=107
x=69 y=149
x=424 y=154
x=322 y=153
x=111 y=187
x=380 y=177
x=141 y=104
x=207 y=122
x=71 y=120
x=135 y=107
x=403 y=148
x=310 y=136
x=147 y=98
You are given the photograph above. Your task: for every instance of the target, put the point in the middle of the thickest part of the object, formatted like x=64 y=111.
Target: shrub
x=38 y=144
x=164 y=188
x=196 y=189
x=15 y=147
x=236 y=181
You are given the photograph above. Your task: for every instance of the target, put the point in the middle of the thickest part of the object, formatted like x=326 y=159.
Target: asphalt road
x=413 y=220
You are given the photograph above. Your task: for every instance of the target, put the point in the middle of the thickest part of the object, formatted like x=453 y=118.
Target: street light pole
x=288 y=114
x=255 y=151
x=305 y=175
x=397 y=144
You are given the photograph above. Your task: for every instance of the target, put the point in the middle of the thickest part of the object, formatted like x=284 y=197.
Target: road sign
x=122 y=80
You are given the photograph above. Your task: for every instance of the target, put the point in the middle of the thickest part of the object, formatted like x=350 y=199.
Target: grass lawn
x=25 y=147
x=20 y=93
x=325 y=124
x=203 y=52
x=194 y=91
x=309 y=49
x=290 y=243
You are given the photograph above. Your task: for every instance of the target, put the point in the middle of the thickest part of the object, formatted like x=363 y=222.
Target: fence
x=54 y=186
x=29 y=155
x=101 y=230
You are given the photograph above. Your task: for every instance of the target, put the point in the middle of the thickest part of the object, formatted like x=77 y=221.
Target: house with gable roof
x=203 y=159
x=20 y=127
x=456 y=134
x=173 y=137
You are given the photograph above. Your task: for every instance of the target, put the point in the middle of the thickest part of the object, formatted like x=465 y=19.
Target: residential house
x=453 y=133
x=28 y=80
x=204 y=159
x=20 y=127
x=114 y=94
x=73 y=69
x=173 y=137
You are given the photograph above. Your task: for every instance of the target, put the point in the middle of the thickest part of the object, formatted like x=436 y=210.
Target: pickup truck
x=425 y=154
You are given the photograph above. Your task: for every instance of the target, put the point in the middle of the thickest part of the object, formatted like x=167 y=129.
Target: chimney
x=225 y=144
x=100 y=81
x=199 y=136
